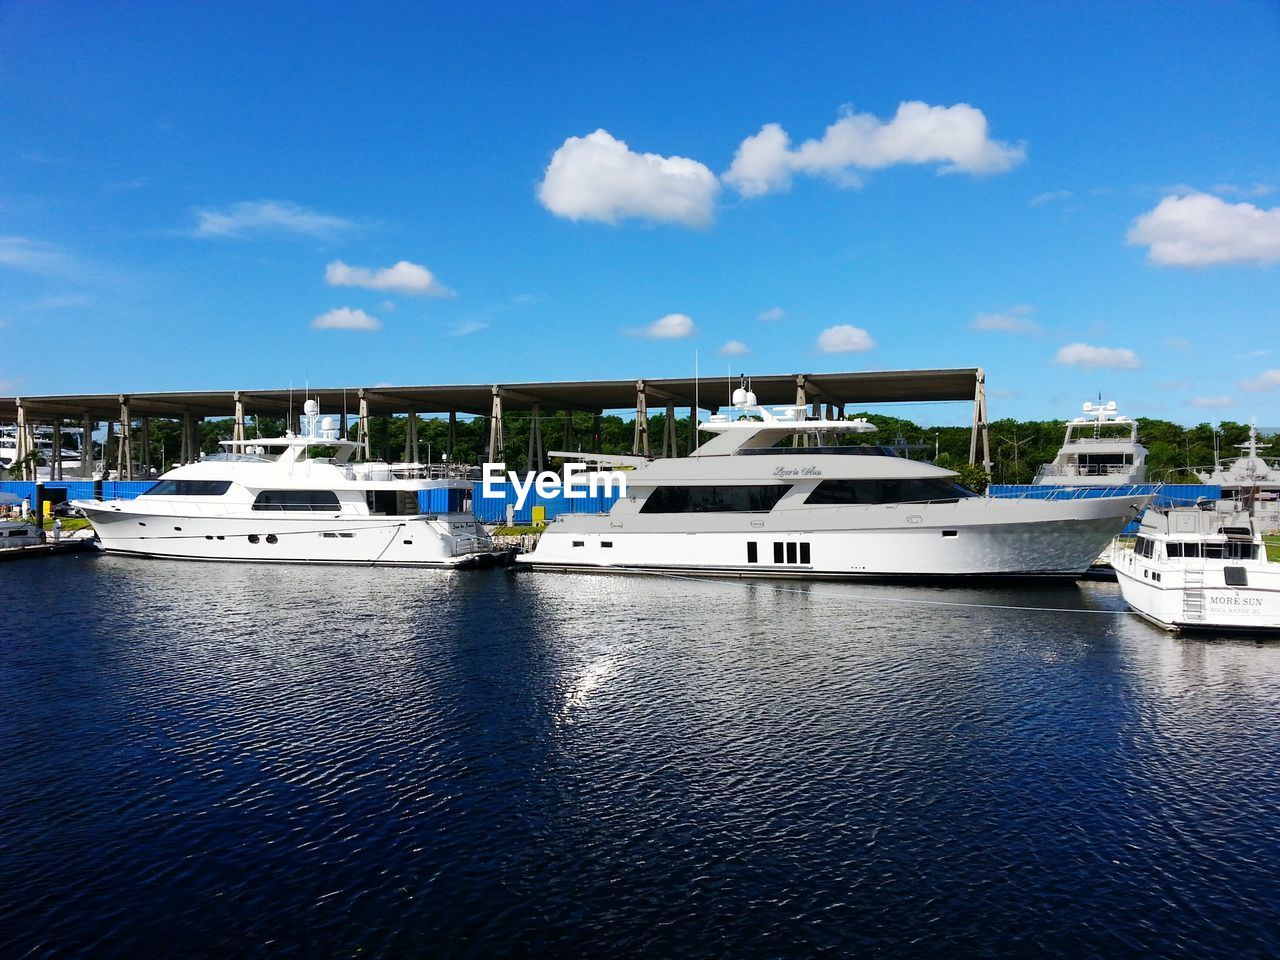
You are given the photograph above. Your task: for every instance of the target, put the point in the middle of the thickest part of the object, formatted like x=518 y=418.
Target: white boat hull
x=435 y=540
x=973 y=537
x=1213 y=604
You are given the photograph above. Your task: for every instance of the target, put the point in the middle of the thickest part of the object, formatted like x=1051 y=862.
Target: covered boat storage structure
x=128 y=415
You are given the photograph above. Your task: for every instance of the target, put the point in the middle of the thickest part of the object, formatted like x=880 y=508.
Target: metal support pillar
x=453 y=432
x=362 y=427
x=497 y=442
x=802 y=400
x=411 y=437
x=86 y=449
x=641 y=442
x=20 y=442
x=669 y=432
x=238 y=432
x=980 y=424
x=537 y=452
x=55 y=461
x=109 y=446
x=185 y=454
x=595 y=433
x=124 y=446
x=568 y=429
x=144 y=457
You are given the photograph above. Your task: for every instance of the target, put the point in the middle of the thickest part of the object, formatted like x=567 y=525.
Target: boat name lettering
x=782 y=472
x=577 y=484
x=1237 y=601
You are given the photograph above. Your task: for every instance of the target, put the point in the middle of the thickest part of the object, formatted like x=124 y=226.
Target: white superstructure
x=742 y=506
x=1200 y=568
x=1100 y=449
x=294 y=499
x=1250 y=480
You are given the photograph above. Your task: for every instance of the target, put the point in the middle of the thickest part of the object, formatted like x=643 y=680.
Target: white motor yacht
x=1100 y=449
x=1200 y=568
x=295 y=499
x=1250 y=480
x=741 y=505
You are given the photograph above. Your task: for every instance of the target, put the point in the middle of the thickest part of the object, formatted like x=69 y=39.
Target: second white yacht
x=296 y=499
x=1100 y=449
x=742 y=506
x=1251 y=481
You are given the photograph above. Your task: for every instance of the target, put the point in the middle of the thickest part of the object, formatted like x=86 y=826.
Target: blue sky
x=1079 y=198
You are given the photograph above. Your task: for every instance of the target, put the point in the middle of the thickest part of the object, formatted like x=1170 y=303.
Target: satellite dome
x=311 y=408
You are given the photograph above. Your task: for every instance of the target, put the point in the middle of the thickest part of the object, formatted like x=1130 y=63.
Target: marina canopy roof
x=897 y=386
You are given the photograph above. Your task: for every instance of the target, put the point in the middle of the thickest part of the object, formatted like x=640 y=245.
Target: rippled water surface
x=220 y=760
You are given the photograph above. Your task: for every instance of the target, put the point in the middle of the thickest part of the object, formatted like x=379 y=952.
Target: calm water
x=210 y=760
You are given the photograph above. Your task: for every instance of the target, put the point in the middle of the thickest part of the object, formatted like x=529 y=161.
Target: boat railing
x=1087 y=493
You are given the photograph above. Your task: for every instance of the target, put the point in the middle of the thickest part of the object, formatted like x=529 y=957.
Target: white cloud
x=1267 y=380
x=1212 y=402
x=1201 y=230
x=1083 y=355
x=673 y=326
x=467 y=327
x=1039 y=200
x=268 y=216
x=1177 y=343
x=955 y=137
x=404 y=277
x=1014 y=320
x=33 y=256
x=344 y=318
x=734 y=348
x=597 y=177
x=844 y=338
x=772 y=314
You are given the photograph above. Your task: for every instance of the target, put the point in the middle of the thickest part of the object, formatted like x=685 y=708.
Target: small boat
x=1200 y=568
x=1100 y=449
x=19 y=533
x=298 y=499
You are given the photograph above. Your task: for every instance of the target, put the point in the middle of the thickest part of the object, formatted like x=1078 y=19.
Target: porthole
x=179 y=529
x=253 y=538
x=208 y=536
x=408 y=543
x=271 y=538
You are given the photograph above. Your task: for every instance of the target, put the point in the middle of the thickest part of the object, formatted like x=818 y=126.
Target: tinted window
x=189 y=488
x=738 y=499
x=886 y=491
x=297 y=500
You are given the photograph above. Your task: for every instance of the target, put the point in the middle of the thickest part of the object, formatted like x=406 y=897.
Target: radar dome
x=739 y=397
x=311 y=408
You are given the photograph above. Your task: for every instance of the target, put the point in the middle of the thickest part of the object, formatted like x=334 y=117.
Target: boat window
x=1212 y=551
x=325 y=500
x=1173 y=550
x=804 y=553
x=756 y=498
x=858 y=450
x=1191 y=549
x=934 y=489
x=1241 y=551
x=1236 y=576
x=753 y=552
x=189 y=488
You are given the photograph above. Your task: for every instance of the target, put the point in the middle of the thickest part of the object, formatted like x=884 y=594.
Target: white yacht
x=740 y=505
x=1200 y=568
x=1250 y=480
x=296 y=499
x=1100 y=449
